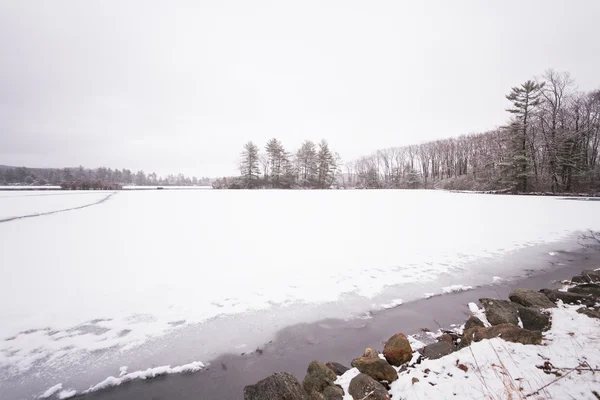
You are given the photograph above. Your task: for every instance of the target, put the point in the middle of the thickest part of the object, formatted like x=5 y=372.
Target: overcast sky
x=180 y=86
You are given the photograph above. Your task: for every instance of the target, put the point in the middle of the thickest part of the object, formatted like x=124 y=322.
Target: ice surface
x=24 y=203
x=147 y=263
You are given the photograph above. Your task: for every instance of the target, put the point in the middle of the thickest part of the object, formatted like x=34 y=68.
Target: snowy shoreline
x=526 y=347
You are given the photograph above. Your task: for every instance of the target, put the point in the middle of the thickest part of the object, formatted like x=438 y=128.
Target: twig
x=555 y=380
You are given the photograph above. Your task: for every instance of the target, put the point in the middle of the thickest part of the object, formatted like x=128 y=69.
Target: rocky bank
x=523 y=322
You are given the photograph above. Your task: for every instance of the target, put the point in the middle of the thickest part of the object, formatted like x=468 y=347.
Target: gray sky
x=179 y=86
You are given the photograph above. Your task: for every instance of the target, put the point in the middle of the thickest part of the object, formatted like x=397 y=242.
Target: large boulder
x=530 y=298
x=568 y=297
x=508 y=332
x=397 y=350
x=338 y=368
x=363 y=387
x=500 y=311
x=280 y=385
x=587 y=276
x=318 y=377
x=437 y=350
x=586 y=289
x=533 y=319
x=474 y=322
x=376 y=368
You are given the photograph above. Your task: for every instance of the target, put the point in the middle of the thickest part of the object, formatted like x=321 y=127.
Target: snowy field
x=118 y=277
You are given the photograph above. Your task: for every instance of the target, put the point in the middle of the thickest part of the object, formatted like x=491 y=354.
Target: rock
x=277 y=386
x=371 y=353
x=587 y=276
x=415 y=380
x=508 y=332
x=533 y=319
x=590 y=312
x=376 y=368
x=318 y=377
x=473 y=322
x=338 y=368
x=446 y=337
x=463 y=367
x=363 y=387
x=530 y=298
x=568 y=297
x=500 y=311
x=437 y=350
x=333 y=393
x=587 y=288
x=397 y=350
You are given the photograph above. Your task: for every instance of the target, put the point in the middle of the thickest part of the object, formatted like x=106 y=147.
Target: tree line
x=91 y=178
x=550 y=143
x=312 y=166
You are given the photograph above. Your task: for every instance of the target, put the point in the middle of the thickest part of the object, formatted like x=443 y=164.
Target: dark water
x=334 y=340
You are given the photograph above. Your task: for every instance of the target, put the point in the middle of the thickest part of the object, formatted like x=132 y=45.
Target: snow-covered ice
x=19 y=203
x=146 y=264
x=51 y=391
x=456 y=288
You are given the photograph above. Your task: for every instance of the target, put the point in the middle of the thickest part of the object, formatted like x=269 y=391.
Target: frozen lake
x=149 y=278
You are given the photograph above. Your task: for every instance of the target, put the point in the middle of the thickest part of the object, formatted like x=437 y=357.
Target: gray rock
x=437 y=350
x=333 y=393
x=590 y=312
x=371 y=353
x=568 y=297
x=277 y=386
x=587 y=276
x=533 y=319
x=318 y=377
x=586 y=289
x=530 y=298
x=338 y=368
x=363 y=387
x=473 y=322
x=500 y=311
x=508 y=332
x=376 y=368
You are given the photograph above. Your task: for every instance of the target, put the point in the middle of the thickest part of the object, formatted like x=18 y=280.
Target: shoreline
x=333 y=340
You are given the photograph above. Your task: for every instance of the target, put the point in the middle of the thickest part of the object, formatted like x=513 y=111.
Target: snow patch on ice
x=428 y=295
x=456 y=288
x=67 y=394
x=496 y=279
x=393 y=303
x=123 y=370
x=147 y=374
x=51 y=391
x=552 y=253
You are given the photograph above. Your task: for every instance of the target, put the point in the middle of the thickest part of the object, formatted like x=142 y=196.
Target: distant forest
x=550 y=143
x=91 y=178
